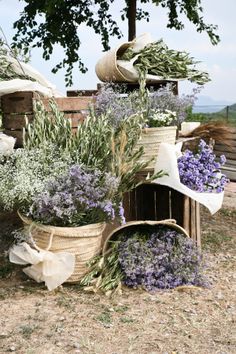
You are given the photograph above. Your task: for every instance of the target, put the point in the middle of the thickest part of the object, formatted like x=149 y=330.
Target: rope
x=34 y=243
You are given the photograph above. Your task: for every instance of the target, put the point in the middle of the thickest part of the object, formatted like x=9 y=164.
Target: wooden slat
x=76 y=118
x=15 y=121
x=177 y=206
x=18 y=102
x=228 y=155
x=76 y=93
x=230 y=172
x=139 y=202
x=70 y=103
x=198 y=225
x=132 y=212
x=145 y=202
x=223 y=148
x=186 y=214
x=126 y=205
x=228 y=143
x=193 y=220
x=231 y=163
x=162 y=199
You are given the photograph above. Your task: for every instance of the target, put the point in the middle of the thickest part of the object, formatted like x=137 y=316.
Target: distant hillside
x=232 y=107
x=209 y=101
x=217 y=112
x=206 y=104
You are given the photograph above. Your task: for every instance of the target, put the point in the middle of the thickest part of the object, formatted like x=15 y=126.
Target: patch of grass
x=30 y=351
x=228 y=212
x=31 y=289
x=127 y=320
x=105 y=318
x=65 y=302
x=27 y=330
x=216 y=241
x=121 y=309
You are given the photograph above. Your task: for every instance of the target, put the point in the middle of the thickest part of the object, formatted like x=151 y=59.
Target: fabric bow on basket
x=51 y=268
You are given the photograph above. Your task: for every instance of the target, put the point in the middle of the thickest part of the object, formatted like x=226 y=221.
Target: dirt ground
x=182 y=321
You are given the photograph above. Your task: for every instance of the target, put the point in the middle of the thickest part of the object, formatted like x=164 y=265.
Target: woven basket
x=107 y=69
x=151 y=138
x=171 y=223
x=83 y=241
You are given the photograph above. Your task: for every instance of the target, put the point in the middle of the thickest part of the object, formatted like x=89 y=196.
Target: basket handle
x=34 y=243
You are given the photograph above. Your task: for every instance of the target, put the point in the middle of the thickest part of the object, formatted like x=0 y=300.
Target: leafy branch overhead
x=46 y=23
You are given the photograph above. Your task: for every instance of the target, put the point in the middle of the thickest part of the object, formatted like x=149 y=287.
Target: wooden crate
x=16 y=106
x=126 y=87
x=230 y=153
x=156 y=202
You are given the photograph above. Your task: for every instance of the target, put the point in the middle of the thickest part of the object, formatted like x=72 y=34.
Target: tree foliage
x=45 y=23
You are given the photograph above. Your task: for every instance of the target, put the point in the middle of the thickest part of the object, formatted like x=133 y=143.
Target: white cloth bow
x=52 y=268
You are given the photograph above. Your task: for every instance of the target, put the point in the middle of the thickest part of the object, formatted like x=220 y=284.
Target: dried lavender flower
x=200 y=171
x=78 y=197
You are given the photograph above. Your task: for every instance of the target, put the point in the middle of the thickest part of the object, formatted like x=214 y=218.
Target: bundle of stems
x=157 y=59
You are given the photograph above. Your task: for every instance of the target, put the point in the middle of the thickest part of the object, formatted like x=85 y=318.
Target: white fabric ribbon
x=41 y=84
x=167 y=161
x=52 y=268
x=6 y=144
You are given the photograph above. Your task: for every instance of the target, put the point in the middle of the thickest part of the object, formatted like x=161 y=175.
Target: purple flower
x=79 y=197
x=200 y=171
x=159 y=260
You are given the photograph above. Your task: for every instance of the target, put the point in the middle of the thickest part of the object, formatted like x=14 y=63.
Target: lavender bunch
x=119 y=105
x=165 y=99
x=78 y=197
x=113 y=101
x=161 y=260
x=200 y=171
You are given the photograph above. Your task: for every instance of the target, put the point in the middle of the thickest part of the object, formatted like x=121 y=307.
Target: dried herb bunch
x=146 y=103
x=157 y=59
x=160 y=258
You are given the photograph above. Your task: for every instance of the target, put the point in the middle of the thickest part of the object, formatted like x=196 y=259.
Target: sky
x=219 y=61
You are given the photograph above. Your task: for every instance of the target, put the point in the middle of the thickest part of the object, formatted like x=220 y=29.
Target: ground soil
x=182 y=321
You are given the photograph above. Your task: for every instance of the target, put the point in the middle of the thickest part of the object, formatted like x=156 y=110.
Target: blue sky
x=219 y=61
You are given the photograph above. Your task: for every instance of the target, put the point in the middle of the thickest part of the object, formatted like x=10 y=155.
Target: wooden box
x=16 y=106
x=156 y=202
x=230 y=153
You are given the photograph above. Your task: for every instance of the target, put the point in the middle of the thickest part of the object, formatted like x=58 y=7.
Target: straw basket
x=151 y=138
x=83 y=241
x=107 y=69
x=170 y=223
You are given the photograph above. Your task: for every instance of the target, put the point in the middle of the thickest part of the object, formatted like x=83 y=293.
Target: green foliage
x=195 y=117
x=46 y=23
x=222 y=115
x=48 y=128
x=96 y=143
x=157 y=59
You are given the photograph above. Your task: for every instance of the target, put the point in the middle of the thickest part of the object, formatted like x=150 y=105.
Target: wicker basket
x=83 y=241
x=171 y=223
x=151 y=139
x=107 y=69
